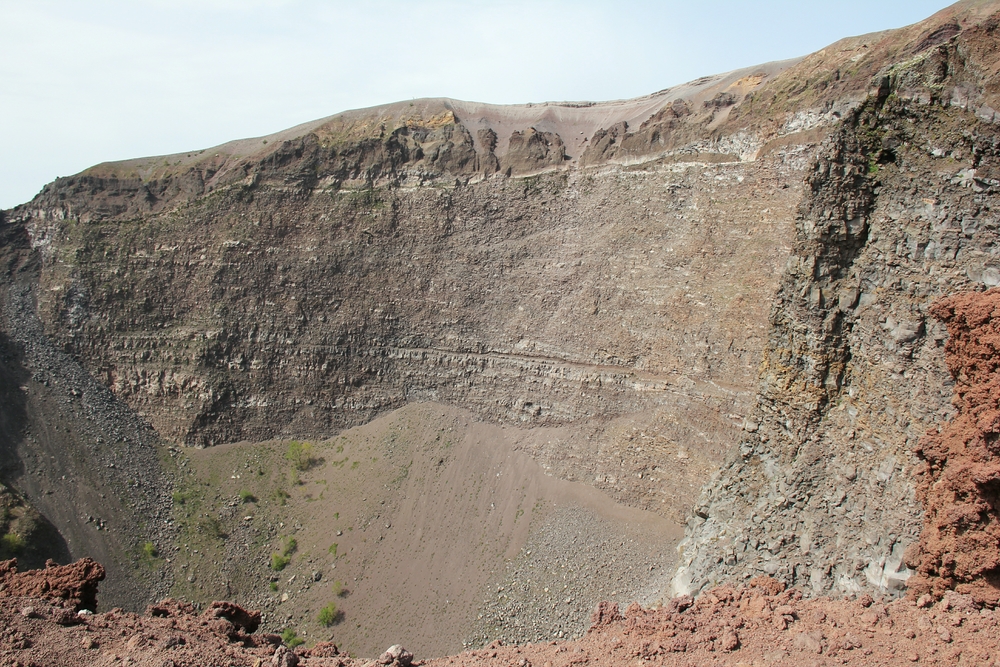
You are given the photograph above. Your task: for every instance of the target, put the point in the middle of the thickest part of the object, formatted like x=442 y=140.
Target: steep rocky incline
x=901 y=211
x=564 y=298
x=83 y=462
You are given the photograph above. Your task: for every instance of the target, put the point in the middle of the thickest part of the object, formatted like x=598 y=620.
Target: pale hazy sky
x=83 y=82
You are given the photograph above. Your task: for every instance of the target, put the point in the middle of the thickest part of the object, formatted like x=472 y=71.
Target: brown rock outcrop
x=532 y=150
x=73 y=585
x=246 y=620
x=959 y=481
x=898 y=215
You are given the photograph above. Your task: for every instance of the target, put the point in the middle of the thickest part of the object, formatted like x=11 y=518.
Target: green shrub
x=280 y=495
x=290 y=638
x=279 y=561
x=11 y=544
x=338 y=589
x=149 y=551
x=273 y=585
x=247 y=497
x=328 y=614
x=333 y=550
x=289 y=547
x=301 y=455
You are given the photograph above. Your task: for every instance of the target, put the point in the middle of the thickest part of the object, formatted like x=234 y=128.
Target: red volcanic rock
x=759 y=624
x=959 y=481
x=73 y=585
x=605 y=614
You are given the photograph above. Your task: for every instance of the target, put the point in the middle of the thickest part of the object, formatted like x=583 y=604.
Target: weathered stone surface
x=74 y=585
x=822 y=494
x=960 y=463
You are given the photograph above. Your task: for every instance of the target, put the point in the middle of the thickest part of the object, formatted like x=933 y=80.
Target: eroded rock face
x=532 y=150
x=822 y=492
x=73 y=586
x=959 y=479
x=564 y=299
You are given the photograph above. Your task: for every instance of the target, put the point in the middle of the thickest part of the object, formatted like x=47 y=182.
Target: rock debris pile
x=73 y=586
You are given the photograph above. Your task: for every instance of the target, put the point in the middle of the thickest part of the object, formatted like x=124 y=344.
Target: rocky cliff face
x=900 y=212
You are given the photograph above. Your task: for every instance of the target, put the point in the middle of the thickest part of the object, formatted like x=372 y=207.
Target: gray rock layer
x=820 y=494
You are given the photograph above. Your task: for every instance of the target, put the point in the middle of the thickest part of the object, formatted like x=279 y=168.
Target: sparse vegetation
x=302 y=455
x=273 y=586
x=149 y=551
x=332 y=550
x=280 y=496
x=338 y=589
x=181 y=497
x=11 y=544
x=279 y=561
x=247 y=497
x=291 y=638
x=328 y=615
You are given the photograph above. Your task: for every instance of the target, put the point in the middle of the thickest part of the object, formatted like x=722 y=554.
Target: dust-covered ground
x=424 y=525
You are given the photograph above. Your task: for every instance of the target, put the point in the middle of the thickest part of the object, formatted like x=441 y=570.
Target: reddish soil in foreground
x=760 y=624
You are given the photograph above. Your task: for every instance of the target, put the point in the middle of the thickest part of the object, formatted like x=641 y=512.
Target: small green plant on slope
x=181 y=497
x=11 y=544
x=301 y=455
x=247 y=497
x=328 y=615
x=291 y=639
x=279 y=561
x=281 y=496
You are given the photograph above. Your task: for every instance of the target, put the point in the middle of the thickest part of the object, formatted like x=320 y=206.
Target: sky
x=88 y=82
